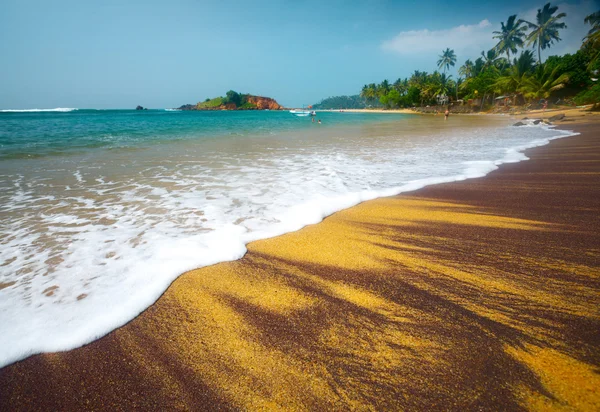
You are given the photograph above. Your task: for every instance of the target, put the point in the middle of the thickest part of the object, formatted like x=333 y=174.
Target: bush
x=592 y=95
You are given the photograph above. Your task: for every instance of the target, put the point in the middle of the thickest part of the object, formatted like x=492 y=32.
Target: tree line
x=513 y=67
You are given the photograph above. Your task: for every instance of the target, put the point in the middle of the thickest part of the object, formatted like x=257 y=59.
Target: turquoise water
x=34 y=134
x=100 y=210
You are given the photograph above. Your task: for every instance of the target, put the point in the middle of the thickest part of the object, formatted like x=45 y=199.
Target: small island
x=235 y=101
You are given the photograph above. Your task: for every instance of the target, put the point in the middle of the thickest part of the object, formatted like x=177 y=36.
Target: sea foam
x=58 y=109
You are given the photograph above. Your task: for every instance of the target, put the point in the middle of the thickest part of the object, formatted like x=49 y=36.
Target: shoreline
x=314 y=318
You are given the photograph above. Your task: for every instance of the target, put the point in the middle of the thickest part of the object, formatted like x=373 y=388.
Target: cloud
x=463 y=39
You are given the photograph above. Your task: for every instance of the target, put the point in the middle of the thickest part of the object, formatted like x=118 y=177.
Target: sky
x=162 y=54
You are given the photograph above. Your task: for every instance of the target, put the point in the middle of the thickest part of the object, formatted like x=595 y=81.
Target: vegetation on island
x=513 y=72
x=234 y=101
x=343 y=102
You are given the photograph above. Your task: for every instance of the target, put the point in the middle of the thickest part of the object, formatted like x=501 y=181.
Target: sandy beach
x=475 y=295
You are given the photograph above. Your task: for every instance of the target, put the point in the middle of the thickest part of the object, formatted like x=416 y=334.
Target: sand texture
x=475 y=295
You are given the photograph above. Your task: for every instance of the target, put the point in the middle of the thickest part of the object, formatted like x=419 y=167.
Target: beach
x=469 y=295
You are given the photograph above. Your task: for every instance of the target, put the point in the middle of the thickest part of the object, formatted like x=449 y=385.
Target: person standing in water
x=446 y=114
x=319 y=121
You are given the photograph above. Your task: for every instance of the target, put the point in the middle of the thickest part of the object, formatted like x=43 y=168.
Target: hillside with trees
x=342 y=102
x=516 y=71
x=235 y=101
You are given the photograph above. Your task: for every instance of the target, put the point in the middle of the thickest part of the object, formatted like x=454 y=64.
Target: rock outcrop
x=263 y=103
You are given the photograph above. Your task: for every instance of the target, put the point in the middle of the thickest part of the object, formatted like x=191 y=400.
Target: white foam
x=58 y=109
x=121 y=233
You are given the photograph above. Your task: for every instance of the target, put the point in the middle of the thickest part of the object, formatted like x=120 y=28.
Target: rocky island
x=235 y=101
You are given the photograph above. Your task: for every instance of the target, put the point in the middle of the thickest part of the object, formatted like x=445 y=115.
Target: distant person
x=319 y=121
x=446 y=114
x=313 y=119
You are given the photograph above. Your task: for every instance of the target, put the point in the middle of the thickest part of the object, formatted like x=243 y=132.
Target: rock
x=263 y=103
x=537 y=121
x=525 y=118
x=557 y=117
x=139 y=108
x=187 y=107
x=519 y=124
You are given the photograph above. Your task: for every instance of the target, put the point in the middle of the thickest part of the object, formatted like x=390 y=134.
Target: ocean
x=100 y=210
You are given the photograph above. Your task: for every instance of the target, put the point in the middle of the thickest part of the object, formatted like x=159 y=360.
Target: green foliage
x=341 y=102
x=589 y=96
x=233 y=97
x=247 y=106
x=210 y=103
x=447 y=59
x=510 y=36
x=575 y=66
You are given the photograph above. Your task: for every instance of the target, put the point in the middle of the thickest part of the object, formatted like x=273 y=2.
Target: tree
x=591 y=41
x=233 y=97
x=511 y=36
x=447 y=59
x=492 y=59
x=545 y=32
x=467 y=69
x=383 y=88
x=543 y=82
x=515 y=77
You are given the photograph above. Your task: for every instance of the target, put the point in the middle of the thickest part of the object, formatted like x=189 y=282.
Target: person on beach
x=446 y=114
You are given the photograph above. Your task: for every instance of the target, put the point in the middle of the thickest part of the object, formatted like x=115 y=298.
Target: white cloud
x=463 y=39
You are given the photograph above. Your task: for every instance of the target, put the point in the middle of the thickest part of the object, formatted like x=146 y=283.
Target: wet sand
x=481 y=294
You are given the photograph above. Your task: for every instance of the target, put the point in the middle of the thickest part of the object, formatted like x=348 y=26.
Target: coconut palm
x=511 y=36
x=492 y=58
x=594 y=21
x=401 y=85
x=466 y=69
x=517 y=74
x=383 y=88
x=447 y=59
x=369 y=92
x=545 y=32
x=457 y=85
x=592 y=39
x=543 y=83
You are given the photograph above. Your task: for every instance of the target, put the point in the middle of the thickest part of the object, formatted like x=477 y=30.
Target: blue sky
x=118 y=54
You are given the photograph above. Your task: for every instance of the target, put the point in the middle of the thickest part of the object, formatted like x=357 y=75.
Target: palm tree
x=401 y=86
x=383 y=88
x=510 y=36
x=517 y=74
x=544 y=82
x=457 y=85
x=369 y=92
x=447 y=59
x=545 y=32
x=592 y=39
x=492 y=59
x=467 y=69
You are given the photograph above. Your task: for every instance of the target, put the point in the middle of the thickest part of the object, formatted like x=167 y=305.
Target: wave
x=172 y=110
x=58 y=109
